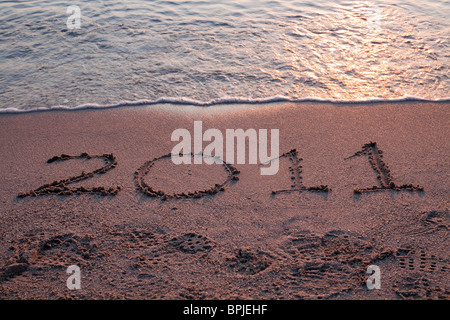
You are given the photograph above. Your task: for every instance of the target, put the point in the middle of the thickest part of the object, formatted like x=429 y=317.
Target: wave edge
x=220 y=101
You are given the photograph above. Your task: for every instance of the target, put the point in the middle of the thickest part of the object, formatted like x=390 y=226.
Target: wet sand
x=358 y=185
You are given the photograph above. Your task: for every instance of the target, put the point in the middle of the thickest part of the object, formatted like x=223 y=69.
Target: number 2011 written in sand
x=63 y=187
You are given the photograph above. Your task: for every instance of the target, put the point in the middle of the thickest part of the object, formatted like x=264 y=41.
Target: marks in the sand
x=248 y=261
x=139 y=238
x=295 y=171
x=342 y=246
x=183 y=262
x=436 y=220
x=411 y=259
x=37 y=252
x=60 y=187
x=431 y=222
x=321 y=280
x=153 y=247
x=191 y=243
x=325 y=266
x=382 y=171
x=12 y=270
x=421 y=275
x=145 y=188
x=125 y=261
x=139 y=247
x=416 y=286
x=328 y=265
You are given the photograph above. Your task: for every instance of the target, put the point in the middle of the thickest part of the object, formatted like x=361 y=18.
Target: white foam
x=215 y=102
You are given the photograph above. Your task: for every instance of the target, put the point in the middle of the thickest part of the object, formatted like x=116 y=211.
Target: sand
x=363 y=185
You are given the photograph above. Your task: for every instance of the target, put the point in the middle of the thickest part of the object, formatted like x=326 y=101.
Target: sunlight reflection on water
x=205 y=50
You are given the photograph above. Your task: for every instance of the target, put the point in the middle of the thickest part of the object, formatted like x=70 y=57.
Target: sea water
x=205 y=52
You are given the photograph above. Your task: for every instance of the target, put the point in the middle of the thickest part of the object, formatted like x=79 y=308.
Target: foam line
x=214 y=102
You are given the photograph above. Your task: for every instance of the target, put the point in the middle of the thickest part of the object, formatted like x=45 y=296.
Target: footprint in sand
x=416 y=286
x=421 y=275
x=436 y=220
x=248 y=261
x=191 y=243
x=324 y=266
x=40 y=252
x=149 y=249
x=417 y=260
x=431 y=222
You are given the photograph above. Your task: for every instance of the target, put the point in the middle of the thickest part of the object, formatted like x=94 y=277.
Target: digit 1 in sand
x=384 y=177
x=295 y=171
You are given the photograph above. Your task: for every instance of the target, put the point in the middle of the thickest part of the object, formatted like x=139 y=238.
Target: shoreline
x=223 y=102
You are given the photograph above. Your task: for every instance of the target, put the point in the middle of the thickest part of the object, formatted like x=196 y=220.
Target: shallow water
x=205 y=50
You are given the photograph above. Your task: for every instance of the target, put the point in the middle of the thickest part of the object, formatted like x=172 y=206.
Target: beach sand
x=247 y=241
